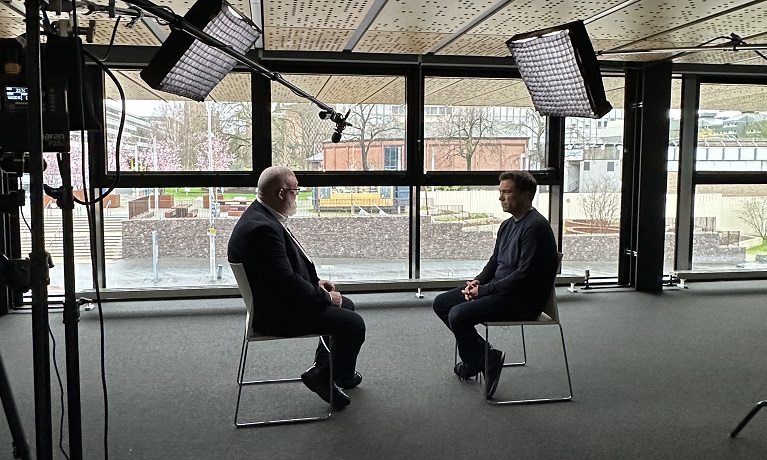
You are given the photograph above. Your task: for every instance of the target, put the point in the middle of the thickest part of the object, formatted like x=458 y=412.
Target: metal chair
x=549 y=317
x=251 y=336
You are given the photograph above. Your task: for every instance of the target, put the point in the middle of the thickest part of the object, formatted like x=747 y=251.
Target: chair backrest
x=245 y=291
x=551 y=305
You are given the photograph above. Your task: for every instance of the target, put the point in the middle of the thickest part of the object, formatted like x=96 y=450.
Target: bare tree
x=297 y=134
x=534 y=125
x=236 y=128
x=370 y=122
x=600 y=200
x=753 y=212
x=462 y=130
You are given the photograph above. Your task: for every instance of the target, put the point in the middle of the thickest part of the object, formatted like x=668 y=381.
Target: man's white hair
x=272 y=179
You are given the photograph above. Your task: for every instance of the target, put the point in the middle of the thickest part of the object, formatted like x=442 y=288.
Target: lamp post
x=211 y=198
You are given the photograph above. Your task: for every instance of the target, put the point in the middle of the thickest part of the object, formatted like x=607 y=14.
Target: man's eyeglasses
x=294 y=190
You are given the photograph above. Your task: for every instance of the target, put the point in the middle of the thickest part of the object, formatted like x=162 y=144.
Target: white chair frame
x=251 y=336
x=549 y=316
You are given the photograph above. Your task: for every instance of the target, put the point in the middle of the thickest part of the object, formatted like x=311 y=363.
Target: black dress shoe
x=493 y=368
x=317 y=379
x=350 y=383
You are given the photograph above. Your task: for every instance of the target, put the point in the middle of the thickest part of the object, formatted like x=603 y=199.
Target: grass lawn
x=761 y=249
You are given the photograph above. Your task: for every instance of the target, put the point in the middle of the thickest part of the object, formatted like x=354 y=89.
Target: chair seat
x=543 y=319
x=256 y=337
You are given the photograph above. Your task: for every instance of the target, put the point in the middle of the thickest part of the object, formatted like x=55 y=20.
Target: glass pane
x=730 y=227
x=181 y=135
x=480 y=124
x=53 y=225
x=458 y=229
x=592 y=189
x=336 y=226
x=732 y=128
x=675 y=116
x=375 y=141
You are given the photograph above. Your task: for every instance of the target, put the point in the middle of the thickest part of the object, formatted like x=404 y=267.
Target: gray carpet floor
x=654 y=377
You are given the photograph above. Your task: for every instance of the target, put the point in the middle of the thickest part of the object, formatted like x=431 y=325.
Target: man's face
x=289 y=196
x=512 y=200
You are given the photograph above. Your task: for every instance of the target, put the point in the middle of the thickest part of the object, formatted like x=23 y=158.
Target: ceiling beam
x=472 y=24
x=363 y=27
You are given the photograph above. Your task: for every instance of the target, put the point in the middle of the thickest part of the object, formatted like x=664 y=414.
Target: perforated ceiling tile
x=138 y=35
x=295 y=39
x=235 y=87
x=351 y=89
x=11 y=27
x=398 y=42
x=135 y=88
x=746 y=23
x=7 y=12
x=477 y=45
x=311 y=84
x=315 y=14
x=722 y=57
x=440 y=16
x=650 y=17
x=746 y=98
x=458 y=91
x=529 y=15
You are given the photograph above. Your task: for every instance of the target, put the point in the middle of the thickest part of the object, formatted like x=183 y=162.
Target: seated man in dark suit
x=290 y=300
x=513 y=286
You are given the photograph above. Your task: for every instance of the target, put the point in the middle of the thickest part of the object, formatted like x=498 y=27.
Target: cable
x=61 y=394
x=111 y=40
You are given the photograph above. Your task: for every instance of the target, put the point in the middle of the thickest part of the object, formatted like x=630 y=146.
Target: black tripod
x=20 y=446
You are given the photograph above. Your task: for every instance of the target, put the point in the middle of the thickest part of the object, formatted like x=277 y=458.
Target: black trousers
x=461 y=317
x=345 y=325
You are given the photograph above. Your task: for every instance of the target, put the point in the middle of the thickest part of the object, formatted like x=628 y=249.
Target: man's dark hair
x=523 y=180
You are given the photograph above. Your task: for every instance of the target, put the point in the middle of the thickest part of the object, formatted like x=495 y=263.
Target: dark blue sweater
x=524 y=262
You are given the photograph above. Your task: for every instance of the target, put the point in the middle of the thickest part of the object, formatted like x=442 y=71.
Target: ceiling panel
x=529 y=15
x=309 y=22
x=351 y=89
x=646 y=18
x=398 y=42
x=295 y=39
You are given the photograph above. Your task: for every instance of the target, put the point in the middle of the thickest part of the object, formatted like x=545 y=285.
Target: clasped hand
x=335 y=296
x=471 y=291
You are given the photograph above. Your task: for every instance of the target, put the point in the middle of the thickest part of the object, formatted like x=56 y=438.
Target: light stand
x=71 y=314
x=20 y=446
x=39 y=277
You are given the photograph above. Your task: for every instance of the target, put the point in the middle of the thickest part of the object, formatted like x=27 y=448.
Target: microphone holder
x=179 y=23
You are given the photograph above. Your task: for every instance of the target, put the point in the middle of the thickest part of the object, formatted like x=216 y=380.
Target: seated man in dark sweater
x=513 y=286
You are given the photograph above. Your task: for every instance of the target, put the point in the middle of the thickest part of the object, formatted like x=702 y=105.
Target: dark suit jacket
x=284 y=282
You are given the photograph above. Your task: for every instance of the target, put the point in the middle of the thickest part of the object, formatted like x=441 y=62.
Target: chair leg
x=241 y=383
x=538 y=400
x=524 y=351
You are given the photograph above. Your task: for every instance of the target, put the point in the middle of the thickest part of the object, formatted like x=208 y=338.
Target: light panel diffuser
x=560 y=69
x=187 y=67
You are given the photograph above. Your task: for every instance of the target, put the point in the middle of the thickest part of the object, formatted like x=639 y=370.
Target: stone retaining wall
x=383 y=237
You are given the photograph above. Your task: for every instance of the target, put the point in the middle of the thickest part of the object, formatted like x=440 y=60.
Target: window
x=611 y=166
x=476 y=136
x=586 y=166
x=392 y=158
x=302 y=141
x=181 y=135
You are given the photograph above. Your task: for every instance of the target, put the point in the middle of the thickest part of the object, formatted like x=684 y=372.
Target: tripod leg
x=748 y=418
x=20 y=446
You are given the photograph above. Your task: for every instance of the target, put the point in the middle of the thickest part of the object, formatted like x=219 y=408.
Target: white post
x=156 y=190
x=211 y=198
